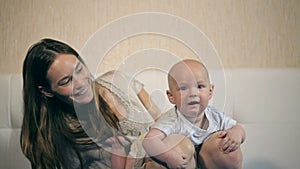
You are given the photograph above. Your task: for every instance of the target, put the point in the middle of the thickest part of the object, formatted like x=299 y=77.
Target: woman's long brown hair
x=51 y=126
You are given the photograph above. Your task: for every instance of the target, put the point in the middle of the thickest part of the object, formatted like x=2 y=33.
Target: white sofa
x=265 y=101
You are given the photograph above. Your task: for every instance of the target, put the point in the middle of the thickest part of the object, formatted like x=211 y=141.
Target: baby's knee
x=213 y=157
x=182 y=144
x=187 y=147
x=234 y=159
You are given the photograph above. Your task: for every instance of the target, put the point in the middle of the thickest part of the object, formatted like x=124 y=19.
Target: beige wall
x=247 y=33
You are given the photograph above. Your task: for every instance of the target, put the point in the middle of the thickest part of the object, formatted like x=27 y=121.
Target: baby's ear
x=170 y=96
x=211 y=91
x=45 y=91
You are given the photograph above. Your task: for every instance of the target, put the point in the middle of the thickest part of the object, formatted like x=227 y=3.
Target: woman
x=62 y=124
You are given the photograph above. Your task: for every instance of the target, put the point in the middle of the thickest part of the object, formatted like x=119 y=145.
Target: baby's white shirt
x=173 y=122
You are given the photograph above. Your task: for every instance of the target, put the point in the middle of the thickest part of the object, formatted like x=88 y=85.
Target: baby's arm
x=232 y=138
x=154 y=146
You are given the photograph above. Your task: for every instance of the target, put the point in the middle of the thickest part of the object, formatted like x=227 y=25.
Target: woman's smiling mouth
x=81 y=92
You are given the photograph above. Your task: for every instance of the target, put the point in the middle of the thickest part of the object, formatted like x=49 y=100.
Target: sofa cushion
x=265 y=101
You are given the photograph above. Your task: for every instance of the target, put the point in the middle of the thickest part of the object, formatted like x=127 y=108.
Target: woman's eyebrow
x=77 y=65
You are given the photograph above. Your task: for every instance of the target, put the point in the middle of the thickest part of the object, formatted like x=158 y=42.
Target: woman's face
x=70 y=80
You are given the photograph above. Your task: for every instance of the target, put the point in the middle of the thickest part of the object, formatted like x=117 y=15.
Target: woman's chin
x=83 y=99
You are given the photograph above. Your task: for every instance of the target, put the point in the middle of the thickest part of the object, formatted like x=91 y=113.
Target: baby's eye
x=200 y=86
x=182 y=88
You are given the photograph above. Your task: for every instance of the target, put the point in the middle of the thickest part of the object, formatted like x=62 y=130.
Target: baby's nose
x=193 y=92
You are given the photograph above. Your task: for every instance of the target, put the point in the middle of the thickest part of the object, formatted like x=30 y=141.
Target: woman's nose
x=78 y=82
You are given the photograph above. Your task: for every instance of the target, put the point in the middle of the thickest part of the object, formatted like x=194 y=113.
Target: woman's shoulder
x=104 y=78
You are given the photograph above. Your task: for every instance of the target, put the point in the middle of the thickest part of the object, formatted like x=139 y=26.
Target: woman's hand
x=117 y=145
x=118 y=153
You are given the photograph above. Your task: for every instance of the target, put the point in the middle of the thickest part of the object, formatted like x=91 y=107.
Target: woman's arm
x=149 y=104
x=117 y=161
x=118 y=154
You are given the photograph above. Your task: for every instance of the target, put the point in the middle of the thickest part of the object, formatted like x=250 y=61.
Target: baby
x=216 y=137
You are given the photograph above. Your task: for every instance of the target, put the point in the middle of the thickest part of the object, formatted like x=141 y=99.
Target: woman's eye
x=65 y=82
x=79 y=69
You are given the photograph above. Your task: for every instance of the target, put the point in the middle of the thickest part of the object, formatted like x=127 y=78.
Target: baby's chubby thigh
x=214 y=157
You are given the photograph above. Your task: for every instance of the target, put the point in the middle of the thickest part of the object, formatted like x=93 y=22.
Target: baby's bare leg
x=214 y=158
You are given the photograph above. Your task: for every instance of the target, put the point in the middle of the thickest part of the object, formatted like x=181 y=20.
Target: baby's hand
x=176 y=160
x=231 y=141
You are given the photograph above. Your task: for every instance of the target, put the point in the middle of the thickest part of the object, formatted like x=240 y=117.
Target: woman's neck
x=83 y=110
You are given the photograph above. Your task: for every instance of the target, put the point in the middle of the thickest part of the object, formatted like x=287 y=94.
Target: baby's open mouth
x=193 y=103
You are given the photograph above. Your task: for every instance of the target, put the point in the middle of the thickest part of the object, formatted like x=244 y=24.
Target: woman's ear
x=170 y=96
x=45 y=91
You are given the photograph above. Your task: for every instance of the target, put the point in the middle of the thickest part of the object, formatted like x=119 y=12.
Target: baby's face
x=190 y=89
